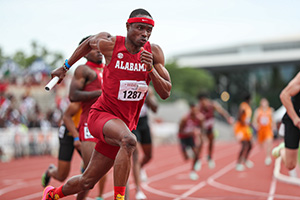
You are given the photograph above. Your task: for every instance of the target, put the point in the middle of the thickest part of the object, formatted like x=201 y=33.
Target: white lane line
x=182 y=187
x=248 y=192
x=192 y=190
x=17 y=186
x=272 y=189
x=157 y=177
x=31 y=196
x=11 y=181
x=39 y=195
x=174 y=171
x=211 y=181
x=163 y=175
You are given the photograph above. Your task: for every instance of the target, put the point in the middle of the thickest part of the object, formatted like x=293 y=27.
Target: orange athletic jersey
x=246 y=117
x=264 y=121
x=76 y=118
x=244 y=129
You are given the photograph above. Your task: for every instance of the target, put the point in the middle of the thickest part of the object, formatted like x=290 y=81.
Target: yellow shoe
x=276 y=150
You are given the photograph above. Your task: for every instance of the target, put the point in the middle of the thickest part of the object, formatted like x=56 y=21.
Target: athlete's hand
x=230 y=120
x=59 y=72
x=297 y=122
x=77 y=145
x=147 y=59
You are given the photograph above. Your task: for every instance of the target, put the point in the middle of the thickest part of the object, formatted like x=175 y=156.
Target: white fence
x=19 y=141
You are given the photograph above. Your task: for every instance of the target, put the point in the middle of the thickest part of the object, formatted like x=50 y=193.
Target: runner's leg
x=289 y=157
x=117 y=133
x=98 y=166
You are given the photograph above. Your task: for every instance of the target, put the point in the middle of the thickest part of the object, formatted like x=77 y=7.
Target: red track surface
x=168 y=178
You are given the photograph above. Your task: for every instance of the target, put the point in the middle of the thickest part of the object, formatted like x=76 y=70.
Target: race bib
x=264 y=120
x=87 y=134
x=131 y=90
x=61 y=131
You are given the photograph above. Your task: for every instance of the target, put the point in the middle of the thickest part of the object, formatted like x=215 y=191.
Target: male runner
x=264 y=124
x=143 y=135
x=207 y=108
x=132 y=62
x=243 y=133
x=190 y=136
x=68 y=140
x=290 y=98
x=85 y=87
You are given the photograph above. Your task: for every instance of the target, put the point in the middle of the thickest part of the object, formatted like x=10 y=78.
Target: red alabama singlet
x=96 y=84
x=125 y=84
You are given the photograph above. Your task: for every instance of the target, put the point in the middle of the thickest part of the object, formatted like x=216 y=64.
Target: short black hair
x=247 y=97
x=83 y=39
x=139 y=11
x=192 y=104
x=202 y=95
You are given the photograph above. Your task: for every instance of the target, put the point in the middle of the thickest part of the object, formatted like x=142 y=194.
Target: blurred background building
x=261 y=68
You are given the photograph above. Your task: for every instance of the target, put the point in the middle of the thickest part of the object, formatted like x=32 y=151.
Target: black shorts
x=142 y=131
x=187 y=142
x=209 y=131
x=66 y=146
x=291 y=133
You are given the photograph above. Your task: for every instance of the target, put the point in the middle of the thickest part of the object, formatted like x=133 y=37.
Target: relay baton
x=51 y=83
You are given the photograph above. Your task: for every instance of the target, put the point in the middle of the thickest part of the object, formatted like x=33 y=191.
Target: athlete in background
x=143 y=135
x=190 y=137
x=243 y=133
x=208 y=107
x=68 y=140
x=264 y=124
x=85 y=88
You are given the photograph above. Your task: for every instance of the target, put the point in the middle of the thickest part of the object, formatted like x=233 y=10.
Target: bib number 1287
x=131 y=90
x=131 y=94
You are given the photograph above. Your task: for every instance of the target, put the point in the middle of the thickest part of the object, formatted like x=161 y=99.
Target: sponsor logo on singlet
x=130 y=66
x=120 y=55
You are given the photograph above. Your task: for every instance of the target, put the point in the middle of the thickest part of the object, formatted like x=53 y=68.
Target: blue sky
x=181 y=27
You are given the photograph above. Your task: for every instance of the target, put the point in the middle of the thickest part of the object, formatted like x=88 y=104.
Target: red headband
x=141 y=20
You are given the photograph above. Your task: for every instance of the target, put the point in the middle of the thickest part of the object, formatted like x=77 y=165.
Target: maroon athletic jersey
x=190 y=125
x=125 y=84
x=208 y=113
x=92 y=86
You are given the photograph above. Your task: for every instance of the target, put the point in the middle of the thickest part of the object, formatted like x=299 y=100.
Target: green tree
x=23 y=60
x=37 y=51
x=187 y=82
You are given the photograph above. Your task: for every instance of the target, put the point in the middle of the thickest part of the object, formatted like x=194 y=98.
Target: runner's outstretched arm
x=93 y=42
